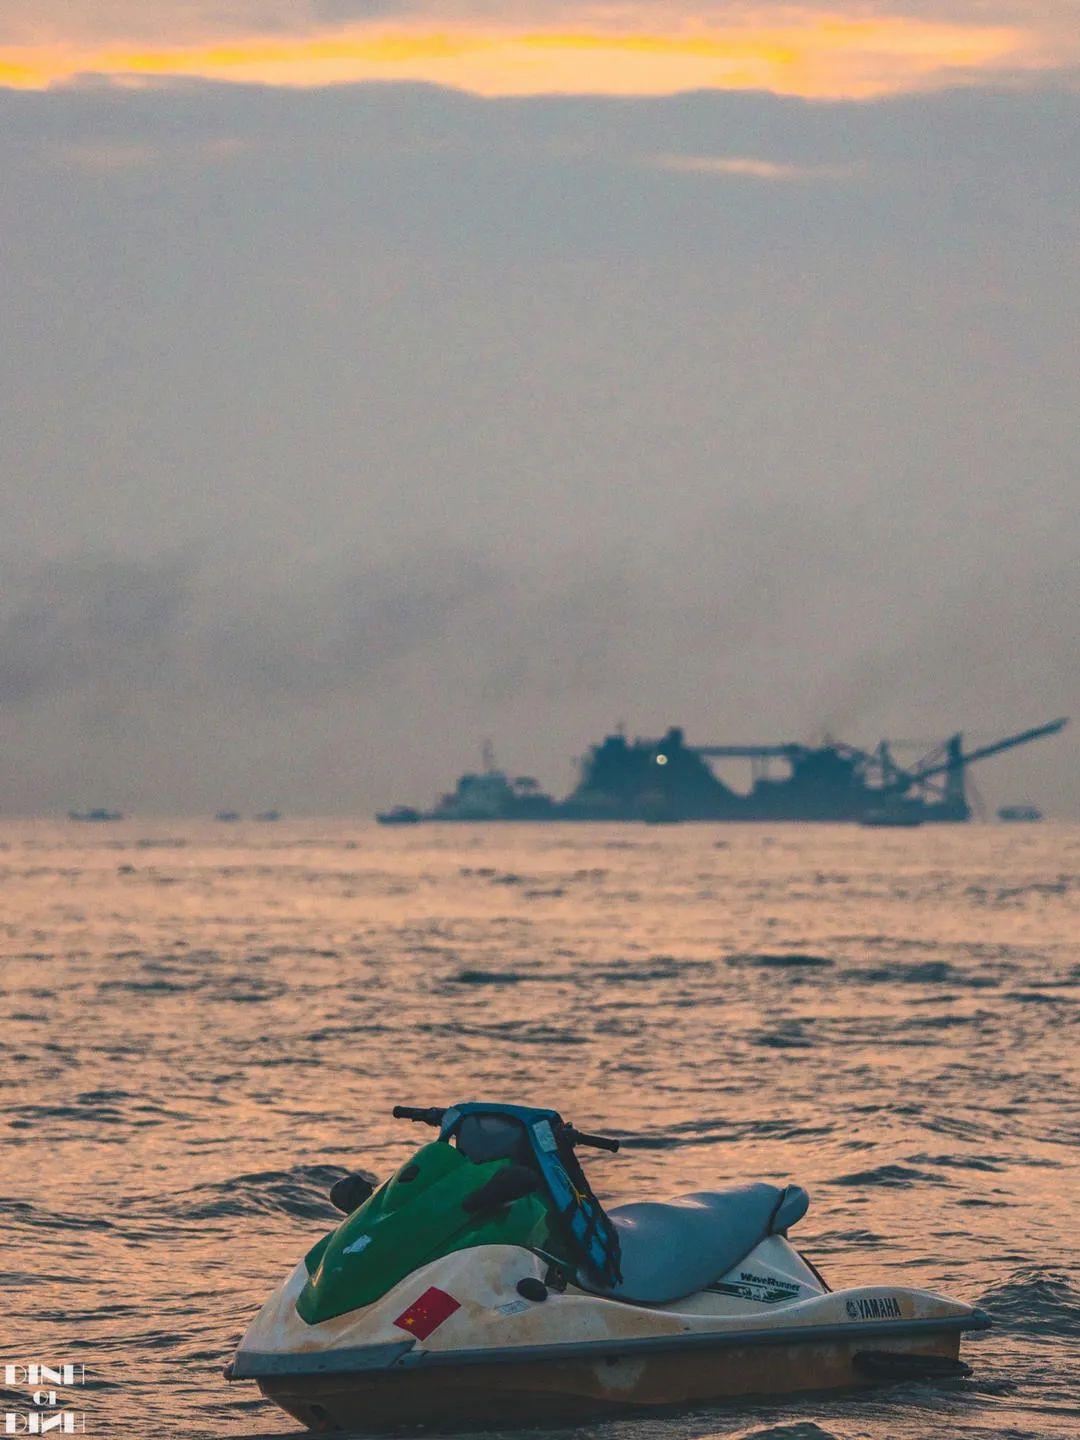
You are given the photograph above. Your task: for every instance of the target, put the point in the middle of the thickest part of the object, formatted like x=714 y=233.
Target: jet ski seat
x=672 y=1249
x=667 y=1249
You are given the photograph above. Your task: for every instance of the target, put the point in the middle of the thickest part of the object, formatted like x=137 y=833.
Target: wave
x=23 y=1214
x=960 y=1162
x=519 y=1032
x=799 y=1430
x=890 y=1175
x=486 y=977
x=657 y=967
x=1036 y=1302
x=796 y=960
x=300 y=1191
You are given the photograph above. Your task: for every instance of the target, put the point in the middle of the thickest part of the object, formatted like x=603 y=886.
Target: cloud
x=85 y=22
x=567 y=48
x=92 y=623
x=747 y=167
x=98 y=623
x=338 y=631
x=105 y=155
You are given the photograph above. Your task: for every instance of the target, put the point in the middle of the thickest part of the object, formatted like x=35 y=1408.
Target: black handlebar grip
x=431 y=1116
x=598 y=1142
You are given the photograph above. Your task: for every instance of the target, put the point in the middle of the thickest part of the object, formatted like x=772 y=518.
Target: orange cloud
x=748 y=167
x=825 y=55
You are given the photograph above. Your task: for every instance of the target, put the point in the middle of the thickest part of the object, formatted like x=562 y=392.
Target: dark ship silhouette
x=1022 y=814
x=667 y=780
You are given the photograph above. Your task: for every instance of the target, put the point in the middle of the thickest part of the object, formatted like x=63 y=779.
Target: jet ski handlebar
x=434 y=1117
x=598 y=1142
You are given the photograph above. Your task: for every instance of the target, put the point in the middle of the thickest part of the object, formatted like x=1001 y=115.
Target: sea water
x=204 y=1025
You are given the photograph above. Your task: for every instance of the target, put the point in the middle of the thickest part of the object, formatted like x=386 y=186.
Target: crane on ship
x=933 y=788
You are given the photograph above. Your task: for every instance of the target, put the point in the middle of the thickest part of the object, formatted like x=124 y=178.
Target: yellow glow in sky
x=810 y=55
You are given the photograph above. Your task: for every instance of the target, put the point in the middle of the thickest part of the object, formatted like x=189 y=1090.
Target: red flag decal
x=428 y=1313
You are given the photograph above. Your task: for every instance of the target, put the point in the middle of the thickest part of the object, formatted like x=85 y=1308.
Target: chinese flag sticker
x=428 y=1313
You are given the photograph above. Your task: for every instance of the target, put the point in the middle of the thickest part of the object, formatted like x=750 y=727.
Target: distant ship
x=900 y=815
x=399 y=815
x=489 y=794
x=96 y=816
x=1019 y=812
x=666 y=780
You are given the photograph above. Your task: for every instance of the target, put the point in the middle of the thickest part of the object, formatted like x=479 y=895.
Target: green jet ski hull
x=418 y=1216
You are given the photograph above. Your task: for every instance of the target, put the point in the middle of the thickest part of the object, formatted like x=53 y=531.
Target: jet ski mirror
x=350 y=1192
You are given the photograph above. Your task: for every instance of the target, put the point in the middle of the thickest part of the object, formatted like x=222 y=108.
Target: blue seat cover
x=677 y=1247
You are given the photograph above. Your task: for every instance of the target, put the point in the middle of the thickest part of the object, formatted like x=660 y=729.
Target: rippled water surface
x=204 y=1025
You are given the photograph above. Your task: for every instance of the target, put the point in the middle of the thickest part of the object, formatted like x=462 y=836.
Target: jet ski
x=484 y=1284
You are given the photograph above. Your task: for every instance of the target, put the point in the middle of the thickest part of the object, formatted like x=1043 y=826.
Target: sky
x=379 y=378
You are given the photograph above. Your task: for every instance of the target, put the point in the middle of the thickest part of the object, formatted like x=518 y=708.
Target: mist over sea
x=205 y=1024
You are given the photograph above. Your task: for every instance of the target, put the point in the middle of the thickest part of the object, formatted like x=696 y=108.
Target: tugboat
x=399 y=815
x=489 y=795
x=1026 y=813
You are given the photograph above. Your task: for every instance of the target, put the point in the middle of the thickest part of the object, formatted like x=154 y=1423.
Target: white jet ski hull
x=770 y=1327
